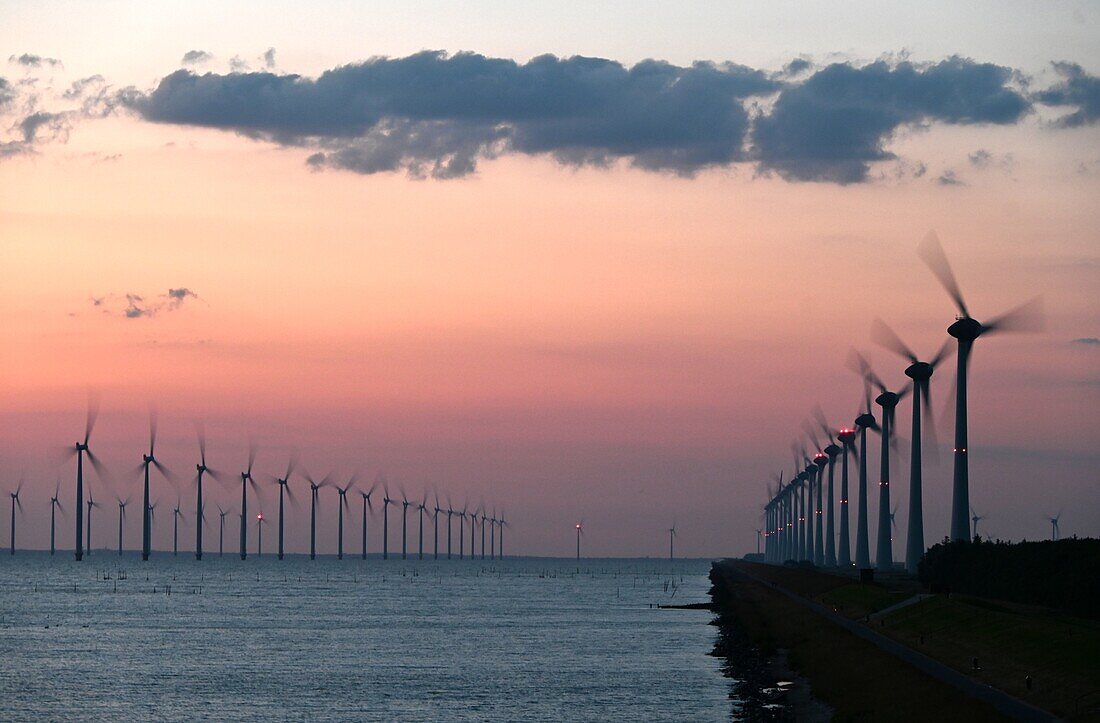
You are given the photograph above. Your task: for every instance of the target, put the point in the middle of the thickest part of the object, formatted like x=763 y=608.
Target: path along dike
x=859 y=672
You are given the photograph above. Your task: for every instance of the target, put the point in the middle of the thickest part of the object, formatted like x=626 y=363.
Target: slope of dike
x=887 y=652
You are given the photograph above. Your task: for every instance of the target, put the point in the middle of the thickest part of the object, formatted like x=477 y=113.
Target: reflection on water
x=525 y=639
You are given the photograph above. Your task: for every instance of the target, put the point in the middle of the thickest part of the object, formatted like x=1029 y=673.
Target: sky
x=573 y=262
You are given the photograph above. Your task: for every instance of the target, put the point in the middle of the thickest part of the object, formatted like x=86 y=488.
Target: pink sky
x=608 y=344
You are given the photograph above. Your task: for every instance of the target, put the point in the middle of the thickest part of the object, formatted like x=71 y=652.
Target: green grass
x=1060 y=653
x=855 y=600
x=855 y=678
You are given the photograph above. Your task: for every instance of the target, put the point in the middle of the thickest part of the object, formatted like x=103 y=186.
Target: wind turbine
x=1054 y=531
x=975 y=517
x=260 y=521
x=91 y=503
x=176 y=515
x=921 y=374
x=500 y=542
x=404 y=523
x=671 y=538
x=314 y=486
x=342 y=503
x=473 y=527
x=820 y=460
x=864 y=421
x=152 y=516
x=484 y=519
x=831 y=451
x=148 y=460
x=121 y=519
x=55 y=504
x=386 y=501
x=435 y=529
x=246 y=480
x=462 y=531
x=580 y=531
x=366 y=505
x=846 y=436
x=888 y=400
x=200 y=470
x=284 y=490
x=420 y=509
x=221 y=530
x=450 y=512
x=1026 y=317
x=14 y=504
x=492 y=535
x=81 y=449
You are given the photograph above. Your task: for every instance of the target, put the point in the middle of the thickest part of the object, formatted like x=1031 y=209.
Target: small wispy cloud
x=136 y=306
x=29 y=60
x=1087 y=341
x=196 y=57
x=950 y=178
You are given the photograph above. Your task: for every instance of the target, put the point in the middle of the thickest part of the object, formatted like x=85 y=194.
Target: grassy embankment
x=849 y=674
x=1011 y=642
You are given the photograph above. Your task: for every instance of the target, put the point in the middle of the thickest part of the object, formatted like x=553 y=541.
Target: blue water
x=525 y=639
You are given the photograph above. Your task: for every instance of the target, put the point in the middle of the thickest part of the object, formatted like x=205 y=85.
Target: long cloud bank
x=434 y=114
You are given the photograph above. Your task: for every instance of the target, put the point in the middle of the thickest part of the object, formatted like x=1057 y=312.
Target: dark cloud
x=80 y=88
x=834 y=124
x=7 y=93
x=43 y=126
x=135 y=306
x=196 y=57
x=1077 y=89
x=1087 y=341
x=949 y=178
x=796 y=66
x=435 y=114
x=981 y=158
x=33 y=61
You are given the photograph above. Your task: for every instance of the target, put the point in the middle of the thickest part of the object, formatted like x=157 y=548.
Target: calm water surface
x=523 y=639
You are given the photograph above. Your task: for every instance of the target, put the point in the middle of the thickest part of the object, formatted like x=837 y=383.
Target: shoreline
x=848 y=675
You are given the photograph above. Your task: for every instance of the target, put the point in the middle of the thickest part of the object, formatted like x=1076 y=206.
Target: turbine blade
x=948 y=348
x=251 y=455
x=200 y=432
x=931 y=252
x=93 y=412
x=885 y=337
x=930 y=439
x=1028 y=316
x=167 y=473
x=152 y=429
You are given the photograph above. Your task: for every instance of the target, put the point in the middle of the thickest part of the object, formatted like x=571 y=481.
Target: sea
x=524 y=639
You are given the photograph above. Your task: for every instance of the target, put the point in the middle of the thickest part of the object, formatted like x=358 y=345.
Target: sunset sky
x=577 y=262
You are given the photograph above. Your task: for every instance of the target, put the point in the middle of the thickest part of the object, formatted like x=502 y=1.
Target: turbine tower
x=484 y=519
x=846 y=437
x=91 y=503
x=221 y=530
x=386 y=501
x=671 y=540
x=284 y=490
x=260 y=534
x=200 y=470
x=580 y=531
x=888 y=400
x=404 y=524
x=1055 y=533
x=1026 y=317
x=55 y=504
x=15 y=503
x=500 y=542
x=246 y=480
x=314 y=496
x=864 y=421
x=121 y=520
x=367 y=506
x=921 y=374
x=176 y=515
x=420 y=512
x=80 y=450
x=435 y=529
x=831 y=451
x=148 y=460
x=342 y=504
x=450 y=512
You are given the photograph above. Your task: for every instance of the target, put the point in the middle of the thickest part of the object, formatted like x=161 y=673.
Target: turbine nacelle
x=865 y=420
x=821 y=459
x=887 y=400
x=847 y=436
x=919 y=371
x=832 y=450
x=965 y=329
